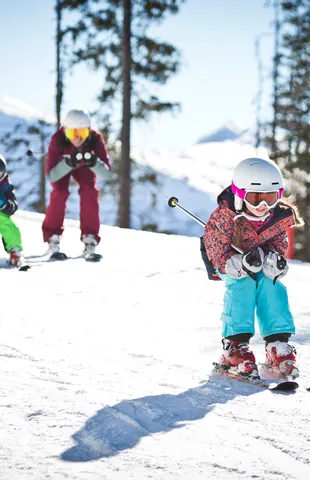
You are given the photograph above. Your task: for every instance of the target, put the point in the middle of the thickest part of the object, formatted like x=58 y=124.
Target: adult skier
x=252 y=216
x=79 y=152
x=11 y=237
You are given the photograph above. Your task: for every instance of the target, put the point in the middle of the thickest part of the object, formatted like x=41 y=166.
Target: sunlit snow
x=106 y=369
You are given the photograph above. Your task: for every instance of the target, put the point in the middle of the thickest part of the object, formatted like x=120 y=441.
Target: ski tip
x=285 y=386
x=58 y=256
x=93 y=257
x=24 y=268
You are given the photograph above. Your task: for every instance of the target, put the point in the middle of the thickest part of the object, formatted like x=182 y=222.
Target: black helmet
x=2 y=167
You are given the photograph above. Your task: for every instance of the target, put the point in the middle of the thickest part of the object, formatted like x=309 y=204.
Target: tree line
x=289 y=139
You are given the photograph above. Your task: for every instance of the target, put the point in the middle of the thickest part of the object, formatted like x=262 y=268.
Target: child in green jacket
x=11 y=236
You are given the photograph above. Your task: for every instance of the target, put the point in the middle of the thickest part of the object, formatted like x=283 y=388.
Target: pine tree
x=293 y=110
x=112 y=35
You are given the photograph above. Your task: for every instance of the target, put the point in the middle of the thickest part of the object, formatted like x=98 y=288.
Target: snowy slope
x=106 y=369
x=195 y=175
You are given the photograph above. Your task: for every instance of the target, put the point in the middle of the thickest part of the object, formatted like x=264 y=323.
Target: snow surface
x=106 y=369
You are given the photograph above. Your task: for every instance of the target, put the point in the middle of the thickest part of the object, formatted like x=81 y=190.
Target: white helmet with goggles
x=77 y=126
x=77 y=119
x=257 y=181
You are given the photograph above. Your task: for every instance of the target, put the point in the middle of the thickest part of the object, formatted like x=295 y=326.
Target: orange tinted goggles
x=256 y=198
x=77 y=133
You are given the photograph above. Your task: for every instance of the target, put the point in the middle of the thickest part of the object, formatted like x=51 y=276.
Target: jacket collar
x=228 y=196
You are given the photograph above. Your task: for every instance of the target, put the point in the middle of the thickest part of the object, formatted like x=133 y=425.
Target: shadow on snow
x=118 y=428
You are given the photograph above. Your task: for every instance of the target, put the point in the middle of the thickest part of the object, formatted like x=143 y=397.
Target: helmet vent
x=255 y=183
x=275 y=183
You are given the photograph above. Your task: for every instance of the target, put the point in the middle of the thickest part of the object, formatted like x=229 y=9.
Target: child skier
x=11 y=236
x=252 y=217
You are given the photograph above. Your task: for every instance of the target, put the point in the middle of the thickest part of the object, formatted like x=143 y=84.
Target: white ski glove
x=275 y=266
x=234 y=266
x=242 y=265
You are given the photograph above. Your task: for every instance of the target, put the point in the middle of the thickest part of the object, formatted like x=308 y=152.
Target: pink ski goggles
x=256 y=198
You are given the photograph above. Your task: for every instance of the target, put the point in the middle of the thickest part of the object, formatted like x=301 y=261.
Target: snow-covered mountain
x=106 y=369
x=229 y=131
x=195 y=176
x=17 y=110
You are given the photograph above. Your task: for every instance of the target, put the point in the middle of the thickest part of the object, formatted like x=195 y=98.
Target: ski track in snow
x=106 y=369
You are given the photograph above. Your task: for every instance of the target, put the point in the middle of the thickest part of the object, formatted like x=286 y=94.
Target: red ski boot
x=238 y=355
x=281 y=356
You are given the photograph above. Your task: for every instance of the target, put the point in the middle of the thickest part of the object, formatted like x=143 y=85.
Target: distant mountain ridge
x=228 y=132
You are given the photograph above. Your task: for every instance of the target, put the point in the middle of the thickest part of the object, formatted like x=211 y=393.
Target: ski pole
x=30 y=153
x=174 y=202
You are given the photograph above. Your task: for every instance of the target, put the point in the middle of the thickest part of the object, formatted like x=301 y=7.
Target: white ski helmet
x=77 y=119
x=2 y=167
x=256 y=175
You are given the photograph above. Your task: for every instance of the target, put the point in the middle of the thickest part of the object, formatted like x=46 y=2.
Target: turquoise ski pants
x=243 y=297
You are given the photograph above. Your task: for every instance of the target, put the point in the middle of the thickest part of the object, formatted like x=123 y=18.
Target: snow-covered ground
x=106 y=369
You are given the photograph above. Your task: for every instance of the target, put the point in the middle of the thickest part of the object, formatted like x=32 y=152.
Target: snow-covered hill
x=195 y=176
x=106 y=369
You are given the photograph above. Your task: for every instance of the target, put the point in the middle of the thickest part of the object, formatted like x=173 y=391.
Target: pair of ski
x=283 y=385
x=89 y=257
x=58 y=256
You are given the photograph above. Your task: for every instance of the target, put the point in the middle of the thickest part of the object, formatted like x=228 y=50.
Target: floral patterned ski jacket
x=221 y=232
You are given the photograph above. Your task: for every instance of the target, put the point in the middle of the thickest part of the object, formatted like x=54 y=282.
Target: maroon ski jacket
x=60 y=146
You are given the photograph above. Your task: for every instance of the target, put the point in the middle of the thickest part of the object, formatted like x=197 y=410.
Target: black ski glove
x=252 y=262
x=9 y=207
x=90 y=159
x=73 y=160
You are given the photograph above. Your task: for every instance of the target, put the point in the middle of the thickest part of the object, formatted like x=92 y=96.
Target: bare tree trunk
x=260 y=89
x=259 y=92
x=59 y=76
x=125 y=163
x=42 y=192
x=276 y=63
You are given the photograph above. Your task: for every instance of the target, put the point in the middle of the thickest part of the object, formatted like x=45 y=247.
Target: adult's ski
x=89 y=257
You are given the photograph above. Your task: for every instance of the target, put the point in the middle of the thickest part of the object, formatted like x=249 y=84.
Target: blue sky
x=217 y=82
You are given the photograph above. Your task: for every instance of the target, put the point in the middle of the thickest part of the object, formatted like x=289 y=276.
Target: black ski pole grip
x=281 y=263
x=254 y=259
